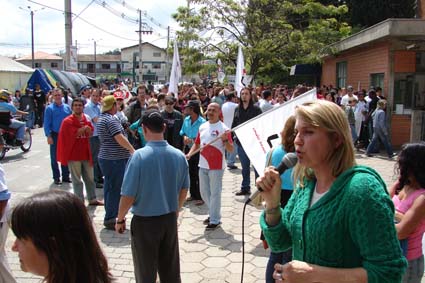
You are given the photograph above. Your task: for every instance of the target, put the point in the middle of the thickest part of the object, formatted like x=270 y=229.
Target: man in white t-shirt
x=346 y=98
x=214 y=138
x=228 y=110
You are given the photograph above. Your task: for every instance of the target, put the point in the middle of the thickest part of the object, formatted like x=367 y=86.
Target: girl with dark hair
x=55 y=239
x=408 y=195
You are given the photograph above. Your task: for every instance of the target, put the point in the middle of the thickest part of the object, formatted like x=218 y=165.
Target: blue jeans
x=82 y=169
x=274 y=258
x=114 y=175
x=379 y=135
x=231 y=156
x=54 y=163
x=30 y=119
x=94 y=147
x=246 y=170
x=20 y=128
x=353 y=132
x=210 y=184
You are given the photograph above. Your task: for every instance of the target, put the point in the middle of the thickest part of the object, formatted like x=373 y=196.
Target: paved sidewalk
x=206 y=256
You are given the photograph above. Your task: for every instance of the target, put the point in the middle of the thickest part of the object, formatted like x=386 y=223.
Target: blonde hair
x=381 y=103
x=329 y=116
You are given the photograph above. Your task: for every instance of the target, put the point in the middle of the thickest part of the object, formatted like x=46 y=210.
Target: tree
x=275 y=34
x=116 y=51
x=362 y=14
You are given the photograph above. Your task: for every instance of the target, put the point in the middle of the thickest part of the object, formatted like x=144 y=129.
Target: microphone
x=288 y=161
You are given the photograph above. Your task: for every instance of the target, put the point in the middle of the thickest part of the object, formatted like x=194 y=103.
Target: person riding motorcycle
x=6 y=109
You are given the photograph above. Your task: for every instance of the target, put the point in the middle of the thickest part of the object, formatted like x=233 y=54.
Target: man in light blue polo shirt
x=155 y=185
x=189 y=131
x=92 y=109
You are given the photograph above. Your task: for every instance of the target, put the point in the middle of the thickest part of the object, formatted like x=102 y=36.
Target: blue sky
x=49 y=34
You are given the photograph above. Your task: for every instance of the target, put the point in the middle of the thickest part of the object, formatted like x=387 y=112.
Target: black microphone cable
x=289 y=161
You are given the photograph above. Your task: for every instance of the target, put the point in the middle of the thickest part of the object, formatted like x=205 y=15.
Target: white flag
x=261 y=133
x=176 y=72
x=240 y=72
x=220 y=71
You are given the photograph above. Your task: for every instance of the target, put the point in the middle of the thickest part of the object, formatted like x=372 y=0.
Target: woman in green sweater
x=339 y=220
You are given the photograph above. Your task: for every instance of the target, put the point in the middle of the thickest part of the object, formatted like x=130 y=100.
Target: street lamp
x=32 y=32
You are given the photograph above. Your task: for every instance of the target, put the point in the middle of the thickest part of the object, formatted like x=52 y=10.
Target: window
x=106 y=66
x=90 y=68
x=403 y=91
x=53 y=65
x=341 y=74
x=157 y=54
x=156 y=65
x=377 y=80
x=37 y=65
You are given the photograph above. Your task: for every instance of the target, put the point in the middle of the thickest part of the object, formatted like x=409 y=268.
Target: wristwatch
x=120 y=222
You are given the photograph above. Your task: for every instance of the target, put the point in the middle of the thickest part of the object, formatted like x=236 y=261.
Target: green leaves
x=275 y=34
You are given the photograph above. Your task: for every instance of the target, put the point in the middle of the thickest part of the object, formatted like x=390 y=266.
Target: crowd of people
x=104 y=136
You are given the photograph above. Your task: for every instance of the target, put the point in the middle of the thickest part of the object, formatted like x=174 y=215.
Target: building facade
x=391 y=55
x=154 y=63
x=43 y=60
x=103 y=66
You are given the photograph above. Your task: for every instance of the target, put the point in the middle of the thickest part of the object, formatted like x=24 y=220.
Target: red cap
x=119 y=94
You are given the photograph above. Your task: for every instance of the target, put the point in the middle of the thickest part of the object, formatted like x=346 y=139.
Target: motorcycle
x=10 y=142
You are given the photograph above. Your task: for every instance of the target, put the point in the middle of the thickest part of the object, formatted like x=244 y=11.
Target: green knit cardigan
x=352 y=225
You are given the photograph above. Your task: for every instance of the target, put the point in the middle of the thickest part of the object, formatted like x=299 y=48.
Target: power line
x=87 y=22
x=145 y=14
x=115 y=12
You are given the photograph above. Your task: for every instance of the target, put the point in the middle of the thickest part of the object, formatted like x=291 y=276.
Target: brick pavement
x=206 y=256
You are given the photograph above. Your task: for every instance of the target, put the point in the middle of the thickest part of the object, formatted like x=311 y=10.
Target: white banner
x=176 y=72
x=240 y=72
x=261 y=133
x=73 y=61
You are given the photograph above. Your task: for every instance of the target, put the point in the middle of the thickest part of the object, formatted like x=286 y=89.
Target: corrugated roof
x=9 y=65
x=40 y=55
x=99 y=58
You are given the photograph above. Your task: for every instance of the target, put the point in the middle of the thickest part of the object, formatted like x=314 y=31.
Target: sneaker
x=66 y=180
x=57 y=182
x=392 y=156
x=232 y=167
x=199 y=202
x=206 y=221
x=212 y=226
x=243 y=193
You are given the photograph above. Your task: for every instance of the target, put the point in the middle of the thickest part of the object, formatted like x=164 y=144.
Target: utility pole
x=140 y=31
x=94 y=59
x=68 y=34
x=32 y=33
x=32 y=39
x=167 y=55
x=140 y=48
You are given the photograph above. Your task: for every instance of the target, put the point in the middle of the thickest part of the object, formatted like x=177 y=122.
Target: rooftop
x=40 y=55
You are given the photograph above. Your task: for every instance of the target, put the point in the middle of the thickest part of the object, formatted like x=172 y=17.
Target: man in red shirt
x=74 y=151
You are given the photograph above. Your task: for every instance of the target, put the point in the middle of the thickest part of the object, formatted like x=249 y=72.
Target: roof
x=99 y=58
x=144 y=43
x=9 y=65
x=413 y=29
x=40 y=55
